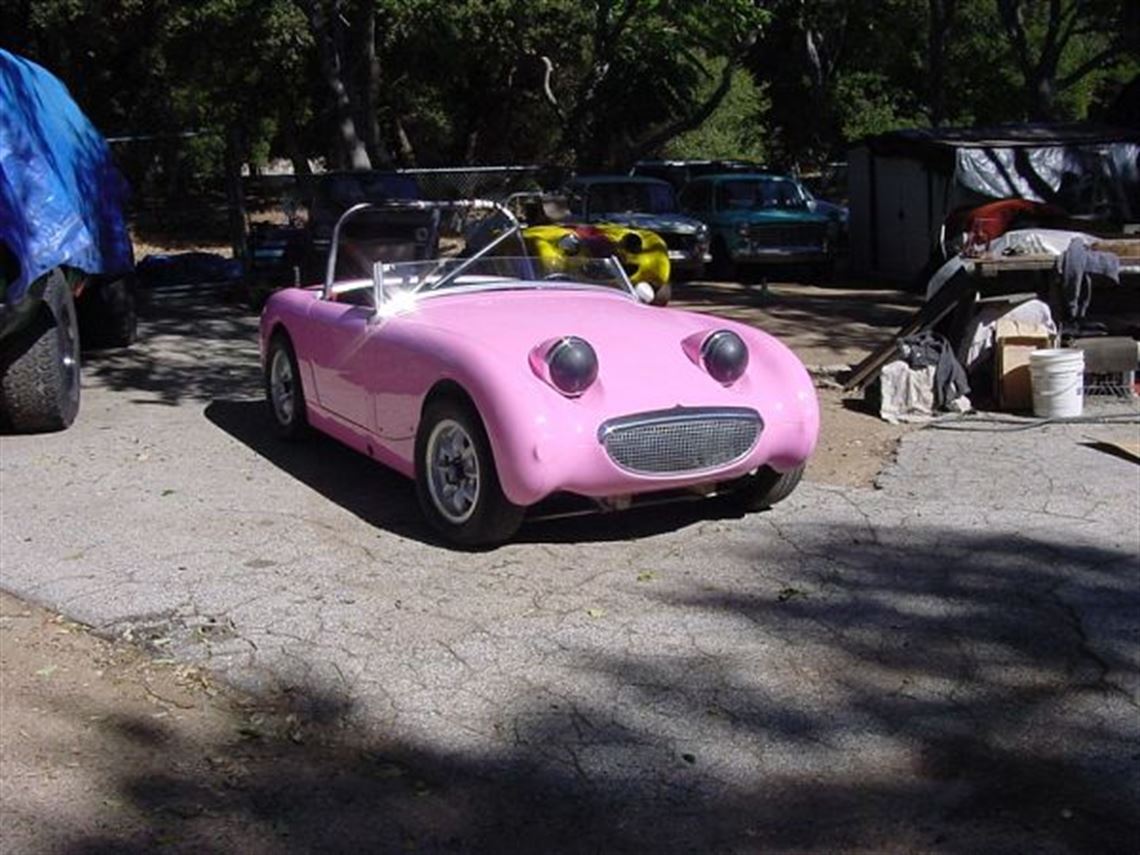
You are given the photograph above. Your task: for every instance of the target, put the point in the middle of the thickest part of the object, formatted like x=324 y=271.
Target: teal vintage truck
x=761 y=219
x=65 y=253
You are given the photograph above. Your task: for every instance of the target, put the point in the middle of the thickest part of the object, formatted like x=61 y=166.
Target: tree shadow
x=193 y=347
x=964 y=694
x=386 y=499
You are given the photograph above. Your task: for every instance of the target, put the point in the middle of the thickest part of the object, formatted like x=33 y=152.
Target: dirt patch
x=829 y=328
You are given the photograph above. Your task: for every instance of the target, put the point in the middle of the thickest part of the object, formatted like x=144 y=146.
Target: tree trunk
x=350 y=145
x=370 y=112
x=941 y=22
x=235 y=195
x=404 y=148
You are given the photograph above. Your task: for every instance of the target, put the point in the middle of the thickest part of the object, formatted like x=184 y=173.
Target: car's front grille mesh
x=675 y=442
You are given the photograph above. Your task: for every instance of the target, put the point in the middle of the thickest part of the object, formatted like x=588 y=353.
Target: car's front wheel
x=39 y=371
x=456 y=480
x=766 y=487
x=283 y=389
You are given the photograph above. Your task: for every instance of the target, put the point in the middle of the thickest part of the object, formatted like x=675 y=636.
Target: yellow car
x=642 y=253
x=550 y=237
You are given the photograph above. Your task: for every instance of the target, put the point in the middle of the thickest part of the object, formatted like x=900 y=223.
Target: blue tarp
x=61 y=198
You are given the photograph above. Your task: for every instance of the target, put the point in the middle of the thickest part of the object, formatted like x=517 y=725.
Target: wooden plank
x=929 y=314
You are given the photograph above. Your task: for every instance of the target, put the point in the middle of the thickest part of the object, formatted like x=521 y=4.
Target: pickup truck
x=760 y=219
x=65 y=254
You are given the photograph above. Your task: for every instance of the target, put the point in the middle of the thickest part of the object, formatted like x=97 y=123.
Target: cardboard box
x=1013 y=342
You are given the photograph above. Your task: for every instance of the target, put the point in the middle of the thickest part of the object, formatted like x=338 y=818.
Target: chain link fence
x=490 y=182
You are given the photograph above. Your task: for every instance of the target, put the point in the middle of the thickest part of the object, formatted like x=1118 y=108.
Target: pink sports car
x=496 y=384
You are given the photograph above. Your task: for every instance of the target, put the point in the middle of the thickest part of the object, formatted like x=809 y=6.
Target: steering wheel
x=558 y=277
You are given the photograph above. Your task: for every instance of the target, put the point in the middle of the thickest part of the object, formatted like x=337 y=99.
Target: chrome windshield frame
x=514 y=229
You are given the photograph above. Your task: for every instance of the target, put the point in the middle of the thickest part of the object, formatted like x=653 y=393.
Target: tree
x=837 y=71
x=239 y=90
x=1059 y=44
x=627 y=86
x=734 y=131
x=325 y=20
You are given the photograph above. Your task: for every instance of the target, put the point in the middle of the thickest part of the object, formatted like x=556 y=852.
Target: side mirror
x=644 y=292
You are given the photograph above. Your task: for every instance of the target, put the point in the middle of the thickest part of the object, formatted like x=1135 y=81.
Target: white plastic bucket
x=1057 y=376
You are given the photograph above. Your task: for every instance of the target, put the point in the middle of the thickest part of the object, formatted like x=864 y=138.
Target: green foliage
x=593 y=84
x=735 y=131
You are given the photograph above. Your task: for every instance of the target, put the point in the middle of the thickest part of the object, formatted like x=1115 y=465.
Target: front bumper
x=596 y=463
x=748 y=252
x=681 y=260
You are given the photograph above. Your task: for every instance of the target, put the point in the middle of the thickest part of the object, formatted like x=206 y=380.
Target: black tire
x=39 y=389
x=284 y=391
x=662 y=294
x=723 y=268
x=486 y=517
x=766 y=487
x=108 y=317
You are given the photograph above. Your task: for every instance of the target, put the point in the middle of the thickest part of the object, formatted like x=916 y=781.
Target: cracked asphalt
x=949 y=662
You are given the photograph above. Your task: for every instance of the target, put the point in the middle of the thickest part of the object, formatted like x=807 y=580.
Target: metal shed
x=903 y=184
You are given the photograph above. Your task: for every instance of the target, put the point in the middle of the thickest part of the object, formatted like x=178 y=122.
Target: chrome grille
x=678 y=242
x=802 y=234
x=680 y=441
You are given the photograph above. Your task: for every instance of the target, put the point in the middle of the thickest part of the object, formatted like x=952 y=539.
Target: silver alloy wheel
x=452 y=465
x=281 y=382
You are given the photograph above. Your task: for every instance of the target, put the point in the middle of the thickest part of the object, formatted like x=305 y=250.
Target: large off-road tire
x=284 y=392
x=108 y=316
x=456 y=479
x=766 y=487
x=39 y=386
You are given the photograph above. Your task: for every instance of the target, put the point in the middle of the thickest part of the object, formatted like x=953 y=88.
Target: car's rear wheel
x=39 y=386
x=456 y=480
x=283 y=390
x=766 y=487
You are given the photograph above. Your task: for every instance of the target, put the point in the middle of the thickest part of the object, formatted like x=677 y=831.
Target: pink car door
x=341 y=350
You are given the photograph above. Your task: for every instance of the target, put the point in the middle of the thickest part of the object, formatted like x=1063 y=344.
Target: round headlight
x=573 y=365
x=725 y=356
x=569 y=243
x=631 y=242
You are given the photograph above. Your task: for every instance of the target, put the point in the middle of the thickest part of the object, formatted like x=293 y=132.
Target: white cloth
x=907 y=393
x=979 y=334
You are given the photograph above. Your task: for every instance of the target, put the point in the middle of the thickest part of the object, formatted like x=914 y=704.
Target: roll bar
x=514 y=229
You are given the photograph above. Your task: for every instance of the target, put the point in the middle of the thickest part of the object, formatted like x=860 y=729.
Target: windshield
x=760 y=193
x=404 y=280
x=631 y=196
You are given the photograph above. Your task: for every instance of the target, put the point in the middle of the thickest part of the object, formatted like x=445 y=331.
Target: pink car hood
x=642 y=364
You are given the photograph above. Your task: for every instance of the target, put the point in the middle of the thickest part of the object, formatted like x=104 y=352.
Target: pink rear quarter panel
x=542 y=441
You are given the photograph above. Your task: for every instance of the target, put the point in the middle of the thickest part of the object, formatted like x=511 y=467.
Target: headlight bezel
x=724 y=356
x=568 y=364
